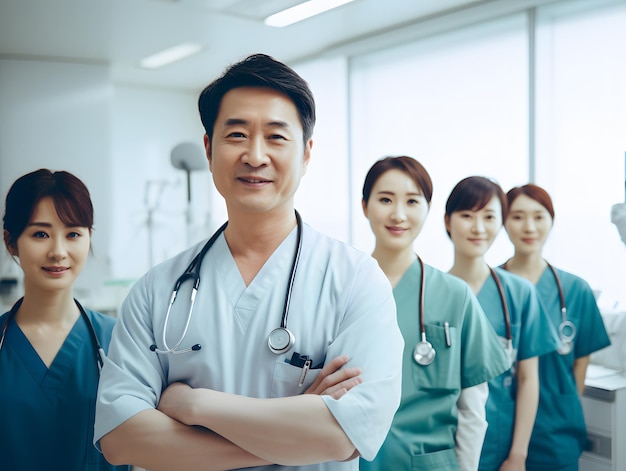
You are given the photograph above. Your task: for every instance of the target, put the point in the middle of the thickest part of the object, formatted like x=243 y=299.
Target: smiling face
x=473 y=231
x=257 y=155
x=396 y=210
x=51 y=254
x=528 y=225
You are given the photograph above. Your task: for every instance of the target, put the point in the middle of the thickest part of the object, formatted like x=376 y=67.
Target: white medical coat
x=341 y=303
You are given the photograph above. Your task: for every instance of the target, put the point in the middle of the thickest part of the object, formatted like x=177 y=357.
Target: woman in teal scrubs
x=475 y=210
x=560 y=435
x=48 y=360
x=440 y=422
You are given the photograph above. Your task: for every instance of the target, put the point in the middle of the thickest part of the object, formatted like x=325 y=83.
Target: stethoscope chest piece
x=424 y=353
x=567 y=332
x=280 y=340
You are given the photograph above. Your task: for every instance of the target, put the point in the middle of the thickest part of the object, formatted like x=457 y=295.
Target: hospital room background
x=516 y=90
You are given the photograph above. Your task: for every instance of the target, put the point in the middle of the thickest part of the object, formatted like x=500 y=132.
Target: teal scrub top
x=560 y=434
x=422 y=434
x=532 y=336
x=48 y=415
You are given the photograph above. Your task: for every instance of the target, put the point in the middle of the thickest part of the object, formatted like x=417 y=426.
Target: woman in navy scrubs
x=559 y=436
x=49 y=360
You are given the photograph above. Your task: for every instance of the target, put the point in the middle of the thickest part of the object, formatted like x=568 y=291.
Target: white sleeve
x=472 y=426
x=369 y=334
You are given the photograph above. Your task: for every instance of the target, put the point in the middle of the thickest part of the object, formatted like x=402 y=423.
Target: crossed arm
x=236 y=431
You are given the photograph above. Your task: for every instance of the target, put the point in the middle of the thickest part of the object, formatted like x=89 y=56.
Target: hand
x=514 y=463
x=334 y=380
x=177 y=402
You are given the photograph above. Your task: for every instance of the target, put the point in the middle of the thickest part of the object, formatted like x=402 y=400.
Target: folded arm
x=289 y=431
x=153 y=440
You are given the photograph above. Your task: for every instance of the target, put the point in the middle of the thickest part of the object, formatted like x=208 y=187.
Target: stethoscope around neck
x=280 y=340
x=424 y=353
x=567 y=329
x=98 y=350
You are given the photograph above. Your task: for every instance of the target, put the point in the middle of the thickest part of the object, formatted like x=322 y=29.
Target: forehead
x=526 y=203
x=396 y=181
x=44 y=209
x=257 y=103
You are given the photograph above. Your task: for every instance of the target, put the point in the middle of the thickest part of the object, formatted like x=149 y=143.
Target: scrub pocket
x=286 y=378
x=444 y=373
x=444 y=459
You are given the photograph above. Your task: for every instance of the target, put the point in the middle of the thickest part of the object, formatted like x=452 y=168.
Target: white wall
x=58 y=116
x=118 y=140
x=146 y=125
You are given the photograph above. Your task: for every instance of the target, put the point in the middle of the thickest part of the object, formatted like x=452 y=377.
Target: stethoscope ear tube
x=423 y=353
x=567 y=329
x=98 y=350
x=280 y=340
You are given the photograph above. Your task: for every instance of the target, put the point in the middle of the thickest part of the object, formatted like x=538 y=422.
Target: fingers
x=328 y=369
x=342 y=388
x=334 y=380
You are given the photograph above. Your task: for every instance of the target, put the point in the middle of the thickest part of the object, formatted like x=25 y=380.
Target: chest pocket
x=286 y=379
x=444 y=373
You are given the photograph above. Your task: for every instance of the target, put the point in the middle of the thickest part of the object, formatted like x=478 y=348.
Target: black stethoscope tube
x=280 y=339
x=99 y=351
x=567 y=329
x=424 y=353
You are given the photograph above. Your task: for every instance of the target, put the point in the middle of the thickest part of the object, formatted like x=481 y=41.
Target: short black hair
x=259 y=70
x=70 y=196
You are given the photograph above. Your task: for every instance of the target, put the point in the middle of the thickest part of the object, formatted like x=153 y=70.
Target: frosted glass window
x=581 y=138
x=324 y=193
x=457 y=102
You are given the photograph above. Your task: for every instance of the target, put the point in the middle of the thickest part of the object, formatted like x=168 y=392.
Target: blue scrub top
x=48 y=415
x=560 y=435
x=422 y=434
x=532 y=336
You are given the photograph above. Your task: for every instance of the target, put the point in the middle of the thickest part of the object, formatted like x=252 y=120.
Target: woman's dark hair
x=408 y=165
x=69 y=194
x=473 y=194
x=259 y=70
x=535 y=192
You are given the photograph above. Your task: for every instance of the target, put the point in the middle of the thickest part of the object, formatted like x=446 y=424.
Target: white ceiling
x=119 y=33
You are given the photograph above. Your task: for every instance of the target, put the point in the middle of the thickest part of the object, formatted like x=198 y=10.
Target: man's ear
x=207 y=150
x=307 y=156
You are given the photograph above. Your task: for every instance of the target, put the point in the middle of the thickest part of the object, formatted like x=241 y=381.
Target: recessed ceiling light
x=172 y=54
x=302 y=12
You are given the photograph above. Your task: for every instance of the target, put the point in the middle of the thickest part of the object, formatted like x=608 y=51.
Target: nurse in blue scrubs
x=450 y=350
x=48 y=356
x=475 y=210
x=560 y=435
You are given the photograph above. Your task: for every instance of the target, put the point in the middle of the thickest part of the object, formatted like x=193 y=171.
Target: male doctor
x=214 y=395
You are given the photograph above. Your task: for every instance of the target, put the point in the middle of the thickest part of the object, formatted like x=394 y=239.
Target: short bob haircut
x=473 y=194
x=535 y=192
x=408 y=165
x=263 y=71
x=69 y=194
